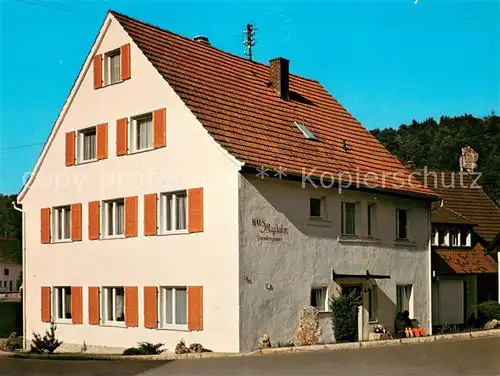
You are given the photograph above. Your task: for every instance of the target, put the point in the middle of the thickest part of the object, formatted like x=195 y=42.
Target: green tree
x=10 y=229
x=438 y=145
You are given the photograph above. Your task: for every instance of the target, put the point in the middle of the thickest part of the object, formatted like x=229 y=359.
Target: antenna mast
x=249 y=41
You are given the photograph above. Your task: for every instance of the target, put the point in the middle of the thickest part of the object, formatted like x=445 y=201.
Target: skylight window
x=306 y=132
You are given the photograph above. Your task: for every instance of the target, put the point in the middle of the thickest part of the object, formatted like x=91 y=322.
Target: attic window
x=306 y=132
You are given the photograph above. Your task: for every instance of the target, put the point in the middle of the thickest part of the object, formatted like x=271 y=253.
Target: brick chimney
x=280 y=76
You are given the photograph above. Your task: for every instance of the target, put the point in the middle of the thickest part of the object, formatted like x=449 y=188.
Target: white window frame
x=65 y=211
x=105 y=221
x=344 y=218
x=162 y=202
x=398 y=235
x=56 y=291
x=410 y=298
x=104 y=304
x=468 y=238
x=324 y=289
x=446 y=238
x=435 y=236
x=162 y=293
x=107 y=66
x=81 y=146
x=134 y=130
x=322 y=208
x=455 y=237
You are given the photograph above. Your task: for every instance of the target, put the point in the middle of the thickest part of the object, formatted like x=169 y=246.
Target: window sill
x=62 y=241
x=175 y=232
x=79 y=163
x=111 y=84
x=141 y=151
x=177 y=328
x=113 y=237
x=353 y=239
x=404 y=243
x=117 y=324
x=63 y=321
x=317 y=221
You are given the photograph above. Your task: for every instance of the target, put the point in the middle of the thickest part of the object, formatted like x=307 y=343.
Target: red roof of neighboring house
x=461 y=195
x=467 y=261
x=441 y=214
x=231 y=97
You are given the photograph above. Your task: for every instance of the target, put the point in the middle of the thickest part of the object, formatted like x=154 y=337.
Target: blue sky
x=388 y=62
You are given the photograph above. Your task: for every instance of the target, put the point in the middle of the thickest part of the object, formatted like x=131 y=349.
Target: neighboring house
x=146 y=220
x=10 y=274
x=494 y=248
x=464 y=226
x=10 y=266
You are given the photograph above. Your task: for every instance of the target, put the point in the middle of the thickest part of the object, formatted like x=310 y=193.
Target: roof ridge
x=116 y=13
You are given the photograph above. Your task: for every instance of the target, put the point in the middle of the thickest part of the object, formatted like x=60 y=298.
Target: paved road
x=470 y=357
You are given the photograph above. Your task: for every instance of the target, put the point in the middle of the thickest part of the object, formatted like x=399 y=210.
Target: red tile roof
x=231 y=97
x=445 y=215
x=461 y=195
x=468 y=262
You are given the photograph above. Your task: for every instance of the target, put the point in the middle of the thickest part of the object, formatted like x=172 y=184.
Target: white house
x=10 y=273
x=188 y=193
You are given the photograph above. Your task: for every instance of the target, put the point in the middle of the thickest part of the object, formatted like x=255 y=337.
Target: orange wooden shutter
x=131 y=306
x=195 y=307
x=76 y=305
x=70 y=148
x=150 y=214
x=150 y=307
x=102 y=141
x=121 y=136
x=76 y=222
x=94 y=219
x=130 y=216
x=125 y=61
x=94 y=311
x=160 y=128
x=45 y=225
x=195 y=210
x=97 y=71
x=46 y=306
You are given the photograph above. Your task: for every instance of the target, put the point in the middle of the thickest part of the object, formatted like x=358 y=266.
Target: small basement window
x=319 y=298
x=305 y=131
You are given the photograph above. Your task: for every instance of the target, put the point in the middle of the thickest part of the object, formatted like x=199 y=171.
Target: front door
x=357 y=288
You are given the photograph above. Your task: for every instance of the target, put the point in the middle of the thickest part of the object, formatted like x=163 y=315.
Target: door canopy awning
x=367 y=275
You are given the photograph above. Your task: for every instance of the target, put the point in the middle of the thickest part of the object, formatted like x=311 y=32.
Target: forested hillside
x=437 y=145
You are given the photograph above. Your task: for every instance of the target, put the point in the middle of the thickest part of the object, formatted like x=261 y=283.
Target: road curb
x=272 y=351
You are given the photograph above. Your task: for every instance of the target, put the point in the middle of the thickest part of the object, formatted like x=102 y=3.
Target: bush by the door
x=345 y=316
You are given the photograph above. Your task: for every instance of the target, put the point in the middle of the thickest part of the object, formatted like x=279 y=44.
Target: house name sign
x=272 y=232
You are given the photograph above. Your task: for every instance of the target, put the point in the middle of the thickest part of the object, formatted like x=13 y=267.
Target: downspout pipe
x=23 y=294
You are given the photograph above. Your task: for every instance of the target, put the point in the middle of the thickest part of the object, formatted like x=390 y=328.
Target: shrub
x=144 y=348
x=46 y=344
x=12 y=343
x=489 y=310
x=345 y=316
